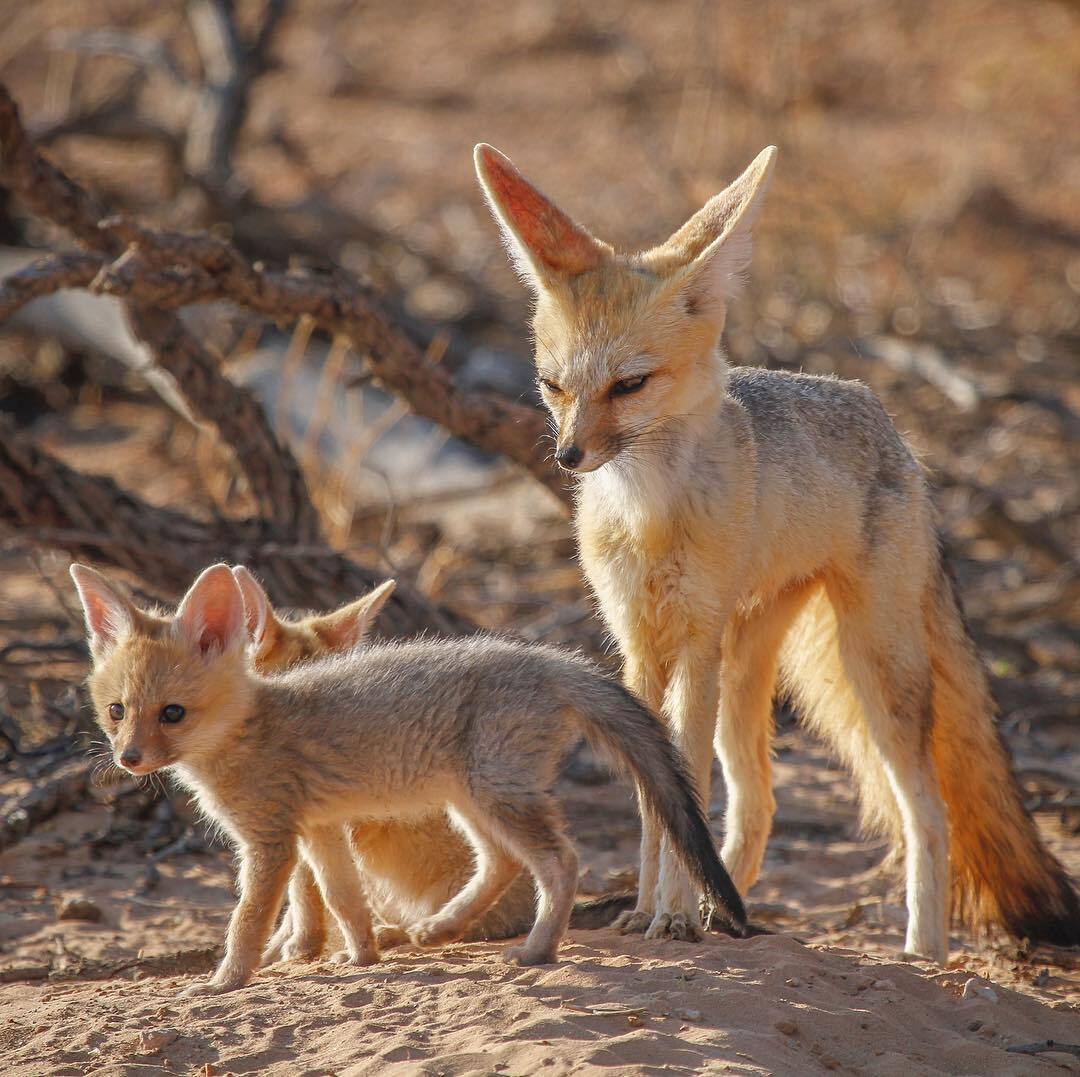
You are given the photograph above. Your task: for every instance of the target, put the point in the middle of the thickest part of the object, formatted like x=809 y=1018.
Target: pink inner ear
x=550 y=236
x=212 y=612
x=108 y=615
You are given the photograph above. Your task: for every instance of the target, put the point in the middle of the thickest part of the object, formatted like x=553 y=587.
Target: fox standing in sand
x=286 y=763
x=737 y=525
x=411 y=867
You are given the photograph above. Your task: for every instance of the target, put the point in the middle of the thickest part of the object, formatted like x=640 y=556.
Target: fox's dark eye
x=628 y=385
x=550 y=386
x=171 y=713
x=116 y=712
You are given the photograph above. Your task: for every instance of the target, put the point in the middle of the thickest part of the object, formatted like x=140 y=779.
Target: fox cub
x=286 y=763
x=411 y=867
x=740 y=526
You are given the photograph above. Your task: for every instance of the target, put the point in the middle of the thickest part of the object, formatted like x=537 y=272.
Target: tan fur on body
x=741 y=526
x=286 y=764
x=411 y=867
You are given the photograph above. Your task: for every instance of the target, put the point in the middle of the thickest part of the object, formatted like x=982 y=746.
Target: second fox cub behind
x=286 y=763
x=737 y=523
x=411 y=867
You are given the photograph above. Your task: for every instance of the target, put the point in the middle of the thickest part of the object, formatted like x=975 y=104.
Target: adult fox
x=740 y=524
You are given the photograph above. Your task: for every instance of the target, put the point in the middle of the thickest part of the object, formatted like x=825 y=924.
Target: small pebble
x=79 y=908
x=788 y=1028
x=975 y=988
x=794 y=981
x=154 y=1039
x=689 y=1015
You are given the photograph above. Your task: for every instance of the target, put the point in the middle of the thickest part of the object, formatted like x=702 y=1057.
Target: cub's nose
x=569 y=457
x=130 y=757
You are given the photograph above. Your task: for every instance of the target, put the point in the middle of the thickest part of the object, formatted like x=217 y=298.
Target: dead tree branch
x=271 y=470
x=91 y=516
x=155 y=271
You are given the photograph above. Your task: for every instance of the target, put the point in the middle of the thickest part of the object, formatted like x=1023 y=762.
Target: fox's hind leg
x=495 y=870
x=330 y=855
x=883 y=652
x=744 y=731
x=530 y=826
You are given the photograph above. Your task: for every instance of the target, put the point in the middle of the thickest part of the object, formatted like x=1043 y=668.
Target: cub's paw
x=523 y=955
x=390 y=935
x=303 y=948
x=632 y=922
x=433 y=931
x=676 y=925
x=368 y=954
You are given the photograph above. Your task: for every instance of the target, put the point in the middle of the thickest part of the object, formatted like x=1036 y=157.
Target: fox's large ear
x=211 y=614
x=109 y=614
x=713 y=248
x=347 y=626
x=544 y=243
x=263 y=625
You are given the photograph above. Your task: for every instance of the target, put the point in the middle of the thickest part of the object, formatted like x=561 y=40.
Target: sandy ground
x=829 y=992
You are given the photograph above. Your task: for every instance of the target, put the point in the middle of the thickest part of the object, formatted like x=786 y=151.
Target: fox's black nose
x=130 y=757
x=569 y=457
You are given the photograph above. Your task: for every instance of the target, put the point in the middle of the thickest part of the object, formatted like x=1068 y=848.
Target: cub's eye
x=171 y=713
x=628 y=385
x=550 y=386
x=116 y=712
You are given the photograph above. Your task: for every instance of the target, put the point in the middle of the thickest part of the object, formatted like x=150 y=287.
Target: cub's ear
x=109 y=614
x=545 y=245
x=263 y=625
x=211 y=615
x=711 y=252
x=346 y=627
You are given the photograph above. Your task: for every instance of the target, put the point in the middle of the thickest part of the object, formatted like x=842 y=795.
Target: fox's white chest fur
x=644 y=540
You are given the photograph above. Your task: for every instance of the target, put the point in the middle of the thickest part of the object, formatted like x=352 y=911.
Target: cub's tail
x=617 y=724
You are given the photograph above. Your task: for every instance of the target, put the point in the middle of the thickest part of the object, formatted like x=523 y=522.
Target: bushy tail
x=1001 y=871
x=616 y=724
x=600 y=911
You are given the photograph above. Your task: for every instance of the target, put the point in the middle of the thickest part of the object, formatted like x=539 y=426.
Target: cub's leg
x=531 y=828
x=494 y=871
x=264 y=871
x=301 y=935
x=330 y=855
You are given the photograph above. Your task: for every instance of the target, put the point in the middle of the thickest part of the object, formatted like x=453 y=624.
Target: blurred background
x=922 y=234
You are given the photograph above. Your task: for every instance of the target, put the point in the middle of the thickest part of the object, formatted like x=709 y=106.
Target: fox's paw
x=433 y=931
x=212 y=987
x=675 y=925
x=390 y=935
x=523 y=955
x=633 y=922
x=367 y=954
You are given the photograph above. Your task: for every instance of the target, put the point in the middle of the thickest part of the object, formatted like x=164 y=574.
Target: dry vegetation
x=922 y=234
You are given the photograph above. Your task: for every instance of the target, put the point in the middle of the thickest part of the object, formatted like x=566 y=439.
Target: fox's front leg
x=264 y=871
x=642 y=675
x=690 y=706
